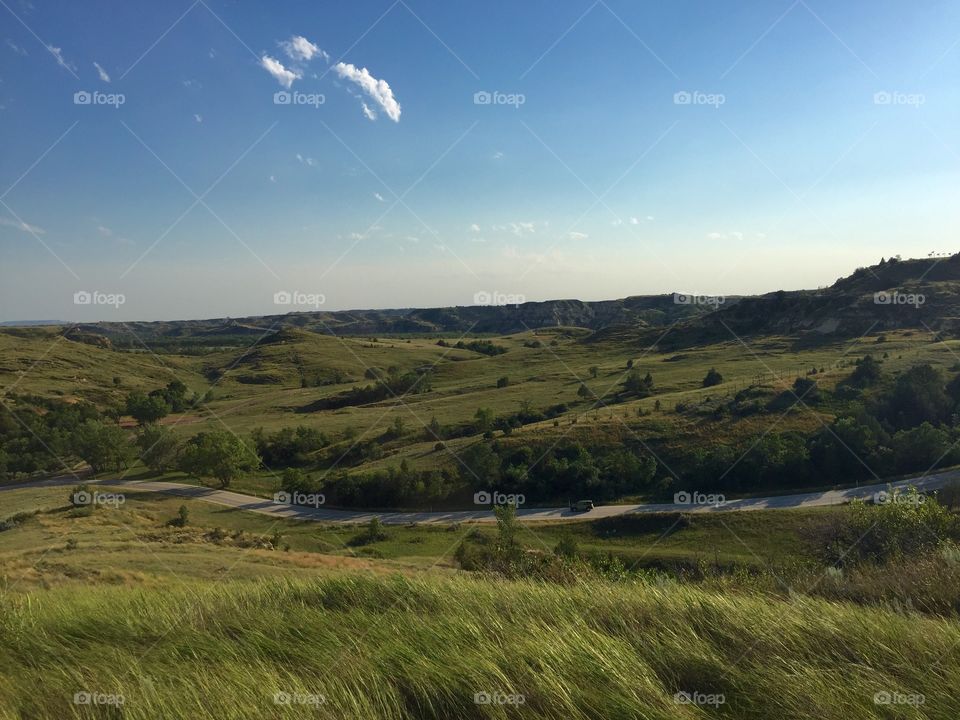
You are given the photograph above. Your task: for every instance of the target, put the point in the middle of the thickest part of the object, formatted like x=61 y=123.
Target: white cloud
x=281 y=74
x=299 y=49
x=474 y=228
x=378 y=90
x=498 y=155
x=725 y=236
x=101 y=72
x=309 y=161
x=212 y=54
x=379 y=197
x=16 y=48
x=634 y=221
x=25 y=227
x=58 y=54
x=198 y=118
x=367 y=112
x=105 y=231
x=577 y=236
x=273 y=179
x=517 y=228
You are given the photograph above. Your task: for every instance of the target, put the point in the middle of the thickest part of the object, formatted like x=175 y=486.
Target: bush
x=713 y=377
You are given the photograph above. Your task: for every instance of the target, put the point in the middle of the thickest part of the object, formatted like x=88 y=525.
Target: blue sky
x=817 y=137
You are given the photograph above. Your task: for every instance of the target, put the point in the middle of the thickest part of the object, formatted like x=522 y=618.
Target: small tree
x=483 y=419
x=583 y=391
x=103 y=447
x=503 y=382
x=183 y=517
x=146 y=408
x=594 y=371
x=507 y=530
x=158 y=448
x=713 y=377
x=218 y=455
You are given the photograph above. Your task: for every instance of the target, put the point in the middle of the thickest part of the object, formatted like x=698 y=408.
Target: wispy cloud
x=22 y=226
x=309 y=161
x=299 y=49
x=104 y=77
x=16 y=48
x=379 y=197
x=377 y=90
x=58 y=55
x=198 y=117
x=282 y=75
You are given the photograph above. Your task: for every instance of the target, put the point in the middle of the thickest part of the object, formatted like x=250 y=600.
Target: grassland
x=347 y=646
x=261 y=385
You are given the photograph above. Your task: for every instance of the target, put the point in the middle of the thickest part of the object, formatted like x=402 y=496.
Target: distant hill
x=921 y=294
x=633 y=312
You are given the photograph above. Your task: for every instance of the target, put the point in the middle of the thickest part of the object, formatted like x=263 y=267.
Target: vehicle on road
x=581 y=506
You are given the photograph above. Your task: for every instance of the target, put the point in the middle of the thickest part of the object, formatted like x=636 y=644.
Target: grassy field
x=53 y=543
x=348 y=646
x=260 y=385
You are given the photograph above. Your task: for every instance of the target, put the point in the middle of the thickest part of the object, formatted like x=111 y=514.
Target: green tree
x=158 y=448
x=102 y=446
x=713 y=377
x=145 y=408
x=483 y=419
x=219 y=455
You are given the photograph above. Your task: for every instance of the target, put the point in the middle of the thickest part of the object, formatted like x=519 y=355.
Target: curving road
x=250 y=503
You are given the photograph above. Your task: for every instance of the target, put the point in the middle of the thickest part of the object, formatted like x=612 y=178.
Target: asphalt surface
x=700 y=504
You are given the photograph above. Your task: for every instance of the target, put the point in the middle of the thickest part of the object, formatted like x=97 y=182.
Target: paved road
x=302 y=512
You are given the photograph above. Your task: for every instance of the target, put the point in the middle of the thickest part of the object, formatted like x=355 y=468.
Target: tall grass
x=422 y=648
